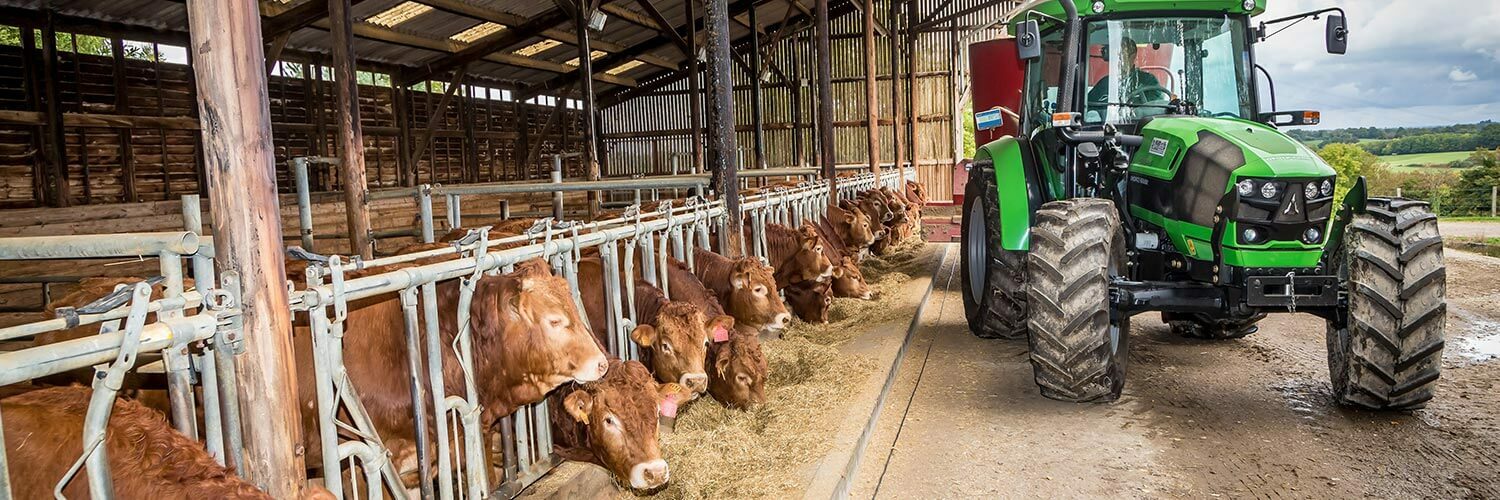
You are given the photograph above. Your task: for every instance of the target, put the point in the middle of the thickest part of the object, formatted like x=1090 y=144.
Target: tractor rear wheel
x=1203 y=326
x=994 y=279
x=1078 y=352
x=1389 y=353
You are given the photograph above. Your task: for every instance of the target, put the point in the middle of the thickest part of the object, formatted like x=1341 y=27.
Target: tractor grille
x=1287 y=215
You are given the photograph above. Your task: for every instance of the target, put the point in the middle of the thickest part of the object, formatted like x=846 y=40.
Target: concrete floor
x=1243 y=418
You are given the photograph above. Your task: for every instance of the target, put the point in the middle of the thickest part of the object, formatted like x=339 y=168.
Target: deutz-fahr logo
x=1291 y=205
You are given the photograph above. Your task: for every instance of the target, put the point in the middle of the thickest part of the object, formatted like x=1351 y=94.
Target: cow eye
x=819 y=248
x=556 y=322
x=760 y=290
x=611 y=421
x=742 y=379
x=665 y=347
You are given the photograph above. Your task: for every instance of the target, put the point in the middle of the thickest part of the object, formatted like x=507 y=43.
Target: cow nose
x=783 y=320
x=696 y=382
x=649 y=475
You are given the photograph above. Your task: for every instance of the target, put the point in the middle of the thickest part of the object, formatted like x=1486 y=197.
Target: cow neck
x=782 y=243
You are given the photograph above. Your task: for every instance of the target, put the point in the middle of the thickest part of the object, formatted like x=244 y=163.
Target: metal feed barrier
x=353 y=451
x=196 y=331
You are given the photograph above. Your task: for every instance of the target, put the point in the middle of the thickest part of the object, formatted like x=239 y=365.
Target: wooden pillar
x=122 y=107
x=247 y=233
x=590 y=125
x=401 y=108
x=911 y=82
x=523 y=145
x=351 y=134
x=872 y=99
x=757 y=111
x=825 y=100
x=898 y=111
x=796 y=93
x=721 y=154
x=57 y=146
x=695 y=93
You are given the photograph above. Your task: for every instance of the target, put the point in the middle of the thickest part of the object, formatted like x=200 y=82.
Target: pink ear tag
x=669 y=406
x=721 y=334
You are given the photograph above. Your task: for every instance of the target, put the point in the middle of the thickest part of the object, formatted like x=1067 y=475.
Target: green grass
x=1398 y=162
x=1471 y=218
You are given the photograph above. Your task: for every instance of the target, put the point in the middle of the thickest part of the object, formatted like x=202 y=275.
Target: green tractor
x=1142 y=176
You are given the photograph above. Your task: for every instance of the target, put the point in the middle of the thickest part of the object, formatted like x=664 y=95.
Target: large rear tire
x=1204 y=326
x=1078 y=352
x=1389 y=355
x=994 y=279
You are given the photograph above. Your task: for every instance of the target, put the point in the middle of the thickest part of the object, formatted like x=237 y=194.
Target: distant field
x=1424 y=159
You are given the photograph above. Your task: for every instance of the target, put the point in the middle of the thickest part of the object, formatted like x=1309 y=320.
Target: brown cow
x=796 y=254
x=810 y=300
x=746 y=289
x=527 y=339
x=612 y=423
x=852 y=228
x=149 y=460
x=916 y=194
x=849 y=281
x=737 y=377
x=673 y=335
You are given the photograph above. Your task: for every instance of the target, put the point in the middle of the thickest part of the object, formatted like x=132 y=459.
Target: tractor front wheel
x=1078 y=351
x=994 y=279
x=1388 y=354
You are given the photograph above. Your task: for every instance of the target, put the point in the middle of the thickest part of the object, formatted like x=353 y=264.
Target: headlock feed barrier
x=197 y=332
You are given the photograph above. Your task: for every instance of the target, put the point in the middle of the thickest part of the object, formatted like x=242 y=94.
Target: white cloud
x=1462 y=75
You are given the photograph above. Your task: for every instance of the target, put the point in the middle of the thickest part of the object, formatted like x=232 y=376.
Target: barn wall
x=647 y=134
x=160 y=161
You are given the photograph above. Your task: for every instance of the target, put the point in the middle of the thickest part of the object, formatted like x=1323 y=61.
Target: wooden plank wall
x=135 y=139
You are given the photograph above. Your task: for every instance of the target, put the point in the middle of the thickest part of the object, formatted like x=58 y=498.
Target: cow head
x=916 y=193
x=737 y=375
x=849 y=281
x=852 y=226
x=810 y=300
x=753 y=300
x=809 y=263
x=542 y=331
x=873 y=206
x=679 y=343
x=620 y=413
x=895 y=200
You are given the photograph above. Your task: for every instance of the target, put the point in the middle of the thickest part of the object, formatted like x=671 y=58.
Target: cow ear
x=579 y=404
x=838 y=271
x=643 y=335
x=739 y=280
x=675 y=391
x=721 y=363
x=720 y=328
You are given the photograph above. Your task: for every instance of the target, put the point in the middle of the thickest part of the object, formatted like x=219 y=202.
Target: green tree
x=1349 y=161
x=1471 y=194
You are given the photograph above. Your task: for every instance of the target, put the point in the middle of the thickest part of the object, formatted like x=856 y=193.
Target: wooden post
x=911 y=83
x=872 y=100
x=122 y=107
x=247 y=233
x=57 y=146
x=825 y=101
x=796 y=93
x=695 y=94
x=401 y=107
x=721 y=154
x=522 y=151
x=351 y=134
x=898 y=113
x=756 y=104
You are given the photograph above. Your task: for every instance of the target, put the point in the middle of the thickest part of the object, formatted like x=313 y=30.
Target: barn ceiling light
x=398 y=14
x=596 y=21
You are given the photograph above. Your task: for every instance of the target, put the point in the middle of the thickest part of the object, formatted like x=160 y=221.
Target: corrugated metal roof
x=426 y=34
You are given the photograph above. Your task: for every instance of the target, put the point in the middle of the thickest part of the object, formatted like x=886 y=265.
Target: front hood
x=1267 y=151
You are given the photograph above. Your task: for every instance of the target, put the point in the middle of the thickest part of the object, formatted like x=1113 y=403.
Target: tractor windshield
x=1137 y=66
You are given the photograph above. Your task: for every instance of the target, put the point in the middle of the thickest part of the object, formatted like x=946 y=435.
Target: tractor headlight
x=1099 y=7
x=1268 y=190
x=1245 y=187
x=1327 y=188
x=1312 y=235
x=1310 y=190
x=1248 y=4
x=1251 y=235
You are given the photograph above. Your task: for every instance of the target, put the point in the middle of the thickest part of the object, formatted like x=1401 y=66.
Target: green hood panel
x=1267 y=151
x=1117 y=7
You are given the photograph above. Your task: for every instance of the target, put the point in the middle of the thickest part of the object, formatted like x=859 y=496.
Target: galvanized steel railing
x=184 y=319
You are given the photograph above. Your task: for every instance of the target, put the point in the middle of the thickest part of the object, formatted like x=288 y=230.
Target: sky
x=1409 y=63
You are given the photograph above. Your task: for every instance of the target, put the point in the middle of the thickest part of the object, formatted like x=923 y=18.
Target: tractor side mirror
x=1337 y=34
x=1029 y=41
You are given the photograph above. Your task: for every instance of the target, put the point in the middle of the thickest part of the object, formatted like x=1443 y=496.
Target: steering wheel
x=1142 y=90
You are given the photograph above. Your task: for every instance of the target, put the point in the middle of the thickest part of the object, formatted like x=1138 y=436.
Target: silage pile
x=764 y=453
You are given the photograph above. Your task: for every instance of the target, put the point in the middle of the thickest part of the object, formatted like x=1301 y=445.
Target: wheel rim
x=977 y=247
x=1114 y=327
